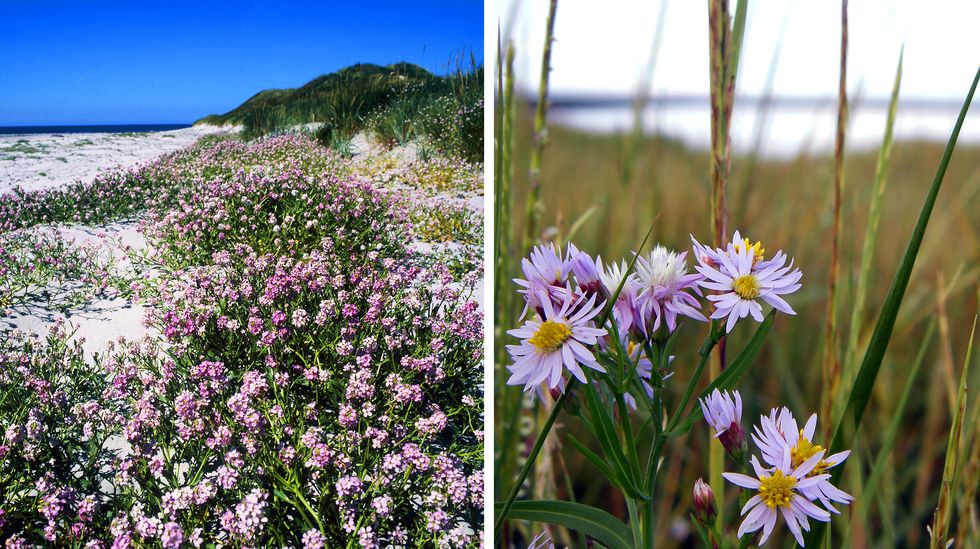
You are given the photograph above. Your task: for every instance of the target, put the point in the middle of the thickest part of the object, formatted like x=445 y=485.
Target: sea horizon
x=89 y=128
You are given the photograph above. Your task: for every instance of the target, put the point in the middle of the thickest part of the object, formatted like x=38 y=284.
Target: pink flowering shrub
x=275 y=211
x=56 y=423
x=310 y=395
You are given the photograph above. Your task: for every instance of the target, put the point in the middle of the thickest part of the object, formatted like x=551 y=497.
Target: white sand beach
x=39 y=161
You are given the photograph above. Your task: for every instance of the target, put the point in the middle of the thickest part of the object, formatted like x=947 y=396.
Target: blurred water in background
x=782 y=128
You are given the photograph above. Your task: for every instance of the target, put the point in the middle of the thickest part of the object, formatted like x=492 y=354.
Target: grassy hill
x=361 y=87
x=396 y=103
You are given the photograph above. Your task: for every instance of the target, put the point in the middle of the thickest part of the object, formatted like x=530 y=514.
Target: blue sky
x=105 y=62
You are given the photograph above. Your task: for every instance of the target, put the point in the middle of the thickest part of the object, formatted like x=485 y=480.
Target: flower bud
x=704 y=503
x=733 y=439
x=723 y=412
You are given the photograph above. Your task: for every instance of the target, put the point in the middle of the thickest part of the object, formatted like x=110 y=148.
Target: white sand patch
x=101 y=320
x=51 y=160
x=363 y=144
x=95 y=325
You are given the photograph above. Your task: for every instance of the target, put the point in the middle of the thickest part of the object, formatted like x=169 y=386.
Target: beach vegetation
x=313 y=372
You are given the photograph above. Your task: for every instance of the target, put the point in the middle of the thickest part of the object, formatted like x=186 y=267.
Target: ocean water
x=100 y=128
x=780 y=130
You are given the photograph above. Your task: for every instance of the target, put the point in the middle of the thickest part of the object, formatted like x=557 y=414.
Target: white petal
x=739 y=479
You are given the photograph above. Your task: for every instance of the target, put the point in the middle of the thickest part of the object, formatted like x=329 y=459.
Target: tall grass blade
x=864 y=382
x=534 y=207
x=946 y=340
x=643 y=97
x=871 y=230
x=507 y=438
x=725 y=44
x=968 y=531
x=944 y=509
x=831 y=356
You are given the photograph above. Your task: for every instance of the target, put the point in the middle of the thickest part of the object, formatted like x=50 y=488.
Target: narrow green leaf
x=611 y=446
x=868 y=373
x=281 y=495
x=738 y=34
x=590 y=521
x=736 y=370
x=944 y=509
x=593 y=457
x=700 y=530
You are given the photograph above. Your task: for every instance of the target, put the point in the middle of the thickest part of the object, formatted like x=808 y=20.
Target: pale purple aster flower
x=743 y=279
x=545 y=269
x=704 y=502
x=722 y=410
x=779 y=431
x=780 y=493
x=710 y=255
x=556 y=343
x=625 y=310
x=665 y=282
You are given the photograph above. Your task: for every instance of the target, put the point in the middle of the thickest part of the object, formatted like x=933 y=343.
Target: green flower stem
x=629 y=439
x=662 y=356
x=704 y=353
x=526 y=469
x=634 y=519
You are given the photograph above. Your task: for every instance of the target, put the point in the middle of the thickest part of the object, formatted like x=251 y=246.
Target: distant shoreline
x=91 y=128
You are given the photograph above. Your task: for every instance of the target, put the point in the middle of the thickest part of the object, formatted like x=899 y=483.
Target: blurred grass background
x=589 y=183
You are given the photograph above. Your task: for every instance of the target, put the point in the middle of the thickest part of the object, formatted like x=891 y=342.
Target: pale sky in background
x=604 y=46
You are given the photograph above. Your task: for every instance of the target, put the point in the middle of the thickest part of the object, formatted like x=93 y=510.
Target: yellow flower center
x=757 y=250
x=805 y=450
x=777 y=490
x=550 y=336
x=746 y=286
